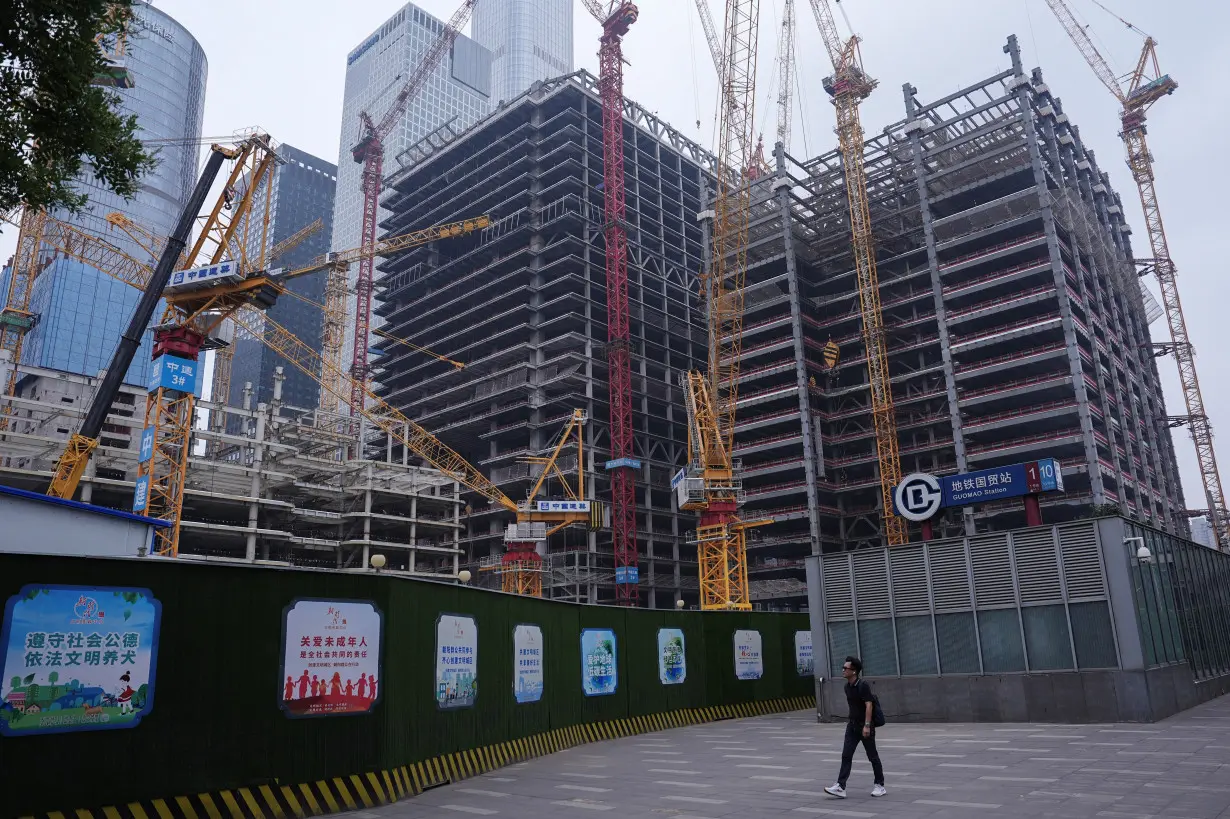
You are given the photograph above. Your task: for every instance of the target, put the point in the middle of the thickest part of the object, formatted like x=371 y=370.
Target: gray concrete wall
x=1065 y=697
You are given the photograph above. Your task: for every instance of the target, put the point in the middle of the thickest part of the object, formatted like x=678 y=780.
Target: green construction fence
x=216 y=722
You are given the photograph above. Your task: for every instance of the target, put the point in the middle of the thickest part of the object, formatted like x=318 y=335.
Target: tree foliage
x=56 y=123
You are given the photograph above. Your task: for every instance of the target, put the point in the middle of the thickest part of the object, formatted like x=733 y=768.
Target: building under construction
x=283 y=489
x=523 y=306
x=1017 y=327
x=1015 y=320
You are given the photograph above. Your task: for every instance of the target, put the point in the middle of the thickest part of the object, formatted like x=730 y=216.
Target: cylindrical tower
x=82 y=311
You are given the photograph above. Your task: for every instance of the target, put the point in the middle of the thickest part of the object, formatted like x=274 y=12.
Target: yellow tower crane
x=848 y=87
x=1143 y=87
x=198 y=312
x=710 y=483
x=522 y=572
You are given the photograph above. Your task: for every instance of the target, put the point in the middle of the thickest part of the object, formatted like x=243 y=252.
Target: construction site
x=613 y=366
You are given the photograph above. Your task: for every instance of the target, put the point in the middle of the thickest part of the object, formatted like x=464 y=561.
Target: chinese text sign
x=527 y=663
x=599 y=673
x=78 y=659
x=749 y=659
x=330 y=658
x=672 y=658
x=456 y=661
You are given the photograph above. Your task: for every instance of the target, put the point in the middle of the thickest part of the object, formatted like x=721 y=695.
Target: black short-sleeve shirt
x=858 y=695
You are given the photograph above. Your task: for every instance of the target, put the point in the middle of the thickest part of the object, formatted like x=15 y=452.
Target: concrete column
x=914 y=128
x=254 y=487
x=1026 y=113
x=1117 y=562
x=811 y=459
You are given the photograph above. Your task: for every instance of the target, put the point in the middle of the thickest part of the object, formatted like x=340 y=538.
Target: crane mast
x=617 y=18
x=710 y=483
x=785 y=75
x=848 y=87
x=1143 y=88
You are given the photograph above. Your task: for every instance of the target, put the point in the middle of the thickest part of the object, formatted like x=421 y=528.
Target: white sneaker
x=878 y=790
x=836 y=790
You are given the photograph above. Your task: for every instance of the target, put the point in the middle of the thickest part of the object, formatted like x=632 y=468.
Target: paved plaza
x=777 y=766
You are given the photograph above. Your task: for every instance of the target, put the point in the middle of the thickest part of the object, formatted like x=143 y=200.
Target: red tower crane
x=369 y=152
x=616 y=17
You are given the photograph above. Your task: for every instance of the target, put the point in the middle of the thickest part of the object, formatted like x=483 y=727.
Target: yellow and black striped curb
x=367 y=790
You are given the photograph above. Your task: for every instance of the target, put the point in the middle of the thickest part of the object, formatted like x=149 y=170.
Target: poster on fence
x=77 y=658
x=672 y=659
x=749 y=660
x=456 y=661
x=599 y=674
x=804 y=657
x=330 y=658
x=527 y=663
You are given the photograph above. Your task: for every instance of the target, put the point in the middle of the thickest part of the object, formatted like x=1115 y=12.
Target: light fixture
x=378 y=562
x=464 y=575
x=679 y=603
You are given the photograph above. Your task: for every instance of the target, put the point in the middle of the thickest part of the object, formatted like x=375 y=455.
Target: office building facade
x=456 y=95
x=529 y=40
x=81 y=311
x=302 y=191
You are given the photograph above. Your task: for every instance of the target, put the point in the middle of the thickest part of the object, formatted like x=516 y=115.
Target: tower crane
x=237 y=301
x=710 y=483
x=1145 y=86
x=224 y=355
x=369 y=152
x=616 y=17
x=757 y=165
x=848 y=87
x=785 y=75
x=194 y=312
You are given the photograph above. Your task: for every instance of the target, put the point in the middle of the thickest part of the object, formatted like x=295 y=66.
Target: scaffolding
x=274 y=483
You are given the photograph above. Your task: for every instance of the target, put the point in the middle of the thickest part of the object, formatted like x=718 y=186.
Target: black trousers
x=854 y=735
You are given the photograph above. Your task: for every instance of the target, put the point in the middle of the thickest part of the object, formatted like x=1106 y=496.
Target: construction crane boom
x=848 y=87
x=72 y=463
x=1141 y=91
x=616 y=19
x=369 y=152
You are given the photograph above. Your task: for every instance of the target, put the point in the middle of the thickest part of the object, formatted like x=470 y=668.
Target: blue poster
x=77 y=658
x=672 y=658
x=599 y=675
x=527 y=659
x=456 y=661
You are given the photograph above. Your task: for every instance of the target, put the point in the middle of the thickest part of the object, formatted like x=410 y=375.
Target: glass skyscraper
x=81 y=311
x=302 y=191
x=457 y=94
x=529 y=40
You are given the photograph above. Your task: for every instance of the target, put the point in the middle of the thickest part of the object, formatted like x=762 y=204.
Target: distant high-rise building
x=454 y=97
x=1202 y=532
x=81 y=311
x=302 y=192
x=529 y=40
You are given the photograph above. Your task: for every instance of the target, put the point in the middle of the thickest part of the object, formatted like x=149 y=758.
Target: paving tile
x=776 y=766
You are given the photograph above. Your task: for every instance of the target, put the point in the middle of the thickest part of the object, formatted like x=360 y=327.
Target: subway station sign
x=920 y=496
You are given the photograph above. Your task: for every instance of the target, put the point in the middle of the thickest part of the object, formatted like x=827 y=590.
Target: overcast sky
x=280 y=64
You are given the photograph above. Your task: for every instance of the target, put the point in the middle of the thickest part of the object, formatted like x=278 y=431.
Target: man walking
x=860 y=728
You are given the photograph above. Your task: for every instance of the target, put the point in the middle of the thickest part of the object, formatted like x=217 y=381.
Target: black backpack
x=877 y=713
